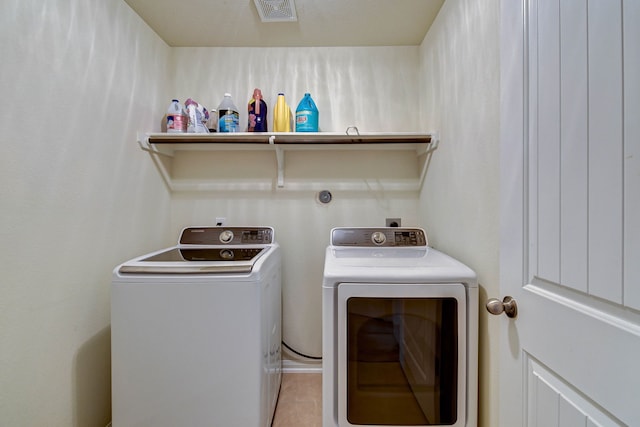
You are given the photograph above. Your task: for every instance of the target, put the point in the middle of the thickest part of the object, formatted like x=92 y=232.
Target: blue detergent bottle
x=307 y=115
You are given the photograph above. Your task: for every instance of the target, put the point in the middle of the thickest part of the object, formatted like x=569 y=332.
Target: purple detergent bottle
x=257 y=113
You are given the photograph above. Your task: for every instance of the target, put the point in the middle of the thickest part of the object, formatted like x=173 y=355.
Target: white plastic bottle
x=176 y=118
x=228 y=115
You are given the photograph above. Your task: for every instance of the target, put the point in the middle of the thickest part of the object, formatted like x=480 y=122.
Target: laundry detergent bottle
x=228 y=115
x=176 y=118
x=198 y=116
x=281 y=115
x=257 y=110
x=307 y=115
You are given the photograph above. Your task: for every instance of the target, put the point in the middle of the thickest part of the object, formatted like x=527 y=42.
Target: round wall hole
x=324 y=196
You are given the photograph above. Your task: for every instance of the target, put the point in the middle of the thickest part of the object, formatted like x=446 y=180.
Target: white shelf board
x=167 y=144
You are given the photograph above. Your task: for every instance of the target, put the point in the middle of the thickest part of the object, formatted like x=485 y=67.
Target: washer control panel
x=378 y=237
x=226 y=236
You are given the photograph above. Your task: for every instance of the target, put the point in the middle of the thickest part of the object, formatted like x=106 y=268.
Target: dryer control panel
x=378 y=237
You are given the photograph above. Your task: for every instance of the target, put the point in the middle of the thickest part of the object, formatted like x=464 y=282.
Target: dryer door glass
x=403 y=360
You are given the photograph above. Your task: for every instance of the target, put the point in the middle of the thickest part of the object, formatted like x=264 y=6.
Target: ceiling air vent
x=276 y=10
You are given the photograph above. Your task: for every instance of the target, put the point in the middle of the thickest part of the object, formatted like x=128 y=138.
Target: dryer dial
x=378 y=238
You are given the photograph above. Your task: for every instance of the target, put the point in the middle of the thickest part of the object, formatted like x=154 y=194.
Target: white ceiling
x=229 y=23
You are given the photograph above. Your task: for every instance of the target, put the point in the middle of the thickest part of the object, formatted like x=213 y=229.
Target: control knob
x=378 y=238
x=226 y=236
x=226 y=254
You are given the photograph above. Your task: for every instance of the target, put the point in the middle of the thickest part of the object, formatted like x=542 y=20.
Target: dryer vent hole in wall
x=324 y=196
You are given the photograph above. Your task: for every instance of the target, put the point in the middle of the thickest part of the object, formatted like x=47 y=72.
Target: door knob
x=507 y=305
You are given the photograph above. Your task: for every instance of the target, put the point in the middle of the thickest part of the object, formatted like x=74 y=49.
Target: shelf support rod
x=280 y=160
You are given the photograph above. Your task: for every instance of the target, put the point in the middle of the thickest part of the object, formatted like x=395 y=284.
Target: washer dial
x=226 y=254
x=226 y=236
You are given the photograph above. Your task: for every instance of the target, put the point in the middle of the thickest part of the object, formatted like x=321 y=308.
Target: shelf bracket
x=145 y=145
x=156 y=156
x=426 y=154
x=279 y=160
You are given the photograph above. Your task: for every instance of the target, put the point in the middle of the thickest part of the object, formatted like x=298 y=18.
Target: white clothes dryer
x=400 y=332
x=196 y=331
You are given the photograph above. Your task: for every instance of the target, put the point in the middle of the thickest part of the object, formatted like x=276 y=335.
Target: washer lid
x=195 y=260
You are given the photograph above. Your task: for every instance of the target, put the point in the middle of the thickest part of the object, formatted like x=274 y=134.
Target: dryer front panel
x=401 y=354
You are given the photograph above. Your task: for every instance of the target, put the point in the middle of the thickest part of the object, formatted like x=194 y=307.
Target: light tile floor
x=300 y=401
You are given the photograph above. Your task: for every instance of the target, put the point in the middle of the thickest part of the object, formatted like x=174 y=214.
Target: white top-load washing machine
x=196 y=331
x=400 y=332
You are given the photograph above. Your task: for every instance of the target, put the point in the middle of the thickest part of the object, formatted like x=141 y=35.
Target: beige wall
x=373 y=88
x=459 y=204
x=78 y=79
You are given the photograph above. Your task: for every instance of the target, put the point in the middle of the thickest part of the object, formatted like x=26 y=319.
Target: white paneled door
x=570 y=213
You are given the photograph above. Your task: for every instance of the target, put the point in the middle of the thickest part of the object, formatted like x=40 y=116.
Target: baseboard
x=301 y=366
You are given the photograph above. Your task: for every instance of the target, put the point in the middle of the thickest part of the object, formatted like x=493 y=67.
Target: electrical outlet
x=393 y=222
x=221 y=221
